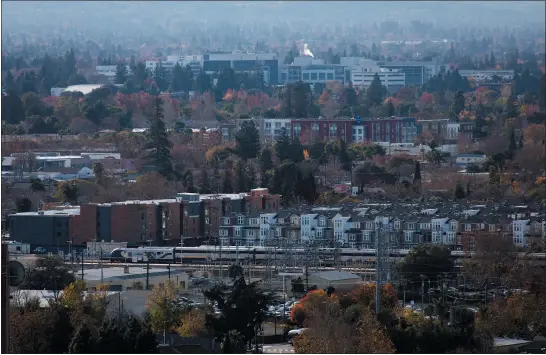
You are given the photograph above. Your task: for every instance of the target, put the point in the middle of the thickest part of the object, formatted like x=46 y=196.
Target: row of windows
x=318 y=76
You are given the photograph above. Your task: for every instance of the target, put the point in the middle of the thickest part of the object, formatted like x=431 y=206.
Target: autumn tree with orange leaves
x=365 y=295
x=331 y=329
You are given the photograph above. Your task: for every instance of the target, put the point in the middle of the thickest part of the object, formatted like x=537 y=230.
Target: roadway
x=281 y=348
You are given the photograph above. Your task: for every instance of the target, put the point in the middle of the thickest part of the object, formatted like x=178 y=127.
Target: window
x=322 y=76
x=237 y=232
x=305 y=76
x=333 y=129
x=366 y=236
x=330 y=76
x=263 y=220
x=315 y=127
x=468 y=227
x=408 y=238
x=240 y=219
x=313 y=76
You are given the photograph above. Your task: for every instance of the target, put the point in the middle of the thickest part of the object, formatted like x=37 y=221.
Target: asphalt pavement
x=282 y=348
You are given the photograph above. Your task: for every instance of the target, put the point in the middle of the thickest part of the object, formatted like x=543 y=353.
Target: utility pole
x=378 y=269
x=101 y=270
x=169 y=268
x=147 y=272
x=422 y=290
x=5 y=300
x=82 y=265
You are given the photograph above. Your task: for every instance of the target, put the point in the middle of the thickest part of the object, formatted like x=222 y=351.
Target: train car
x=258 y=255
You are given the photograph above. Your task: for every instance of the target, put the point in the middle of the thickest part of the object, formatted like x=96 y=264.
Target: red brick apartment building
x=164 y=222
x=322 y=129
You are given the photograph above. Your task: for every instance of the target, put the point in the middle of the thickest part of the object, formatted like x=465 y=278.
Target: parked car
x=40 y=250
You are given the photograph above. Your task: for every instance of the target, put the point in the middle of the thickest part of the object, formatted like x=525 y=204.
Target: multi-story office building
x=267 y=63
x=417 y=72
x=363 y=70
x=391 y=79
x=313 y=71
x=195 y=62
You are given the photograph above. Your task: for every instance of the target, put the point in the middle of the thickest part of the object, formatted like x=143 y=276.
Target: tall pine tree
x=158 y=144
x=247 y=141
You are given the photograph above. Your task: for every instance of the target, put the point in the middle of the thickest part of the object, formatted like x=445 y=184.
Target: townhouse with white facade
x=406 y=225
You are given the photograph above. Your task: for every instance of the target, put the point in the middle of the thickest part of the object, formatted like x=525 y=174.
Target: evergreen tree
x=492 y=61
x=296 y=150
x=216 y=181
x=158 y=144
x=82 y=342
x=182 y=78
x=512 y=145
x=375 y=93
x=226 y=183
x=202 y=83
x=241 y=176
x=160 y=77
x=247 y=141
x=226 y=81
x=301 y=99
x=459 y=191
x=457 y=106
x=344 y=159
x=266 y=164
x=188 y=182
x=251 y=181
x=205 y=183
x=9 y=82
x=306 y=187
x=282 y=145
x=510 y=109
x=389 y=109
x=121 y=74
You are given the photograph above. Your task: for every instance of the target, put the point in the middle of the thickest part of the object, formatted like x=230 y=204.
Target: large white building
x=363 y=71
x=109 y=71
x=195 y=62
x=312 y=71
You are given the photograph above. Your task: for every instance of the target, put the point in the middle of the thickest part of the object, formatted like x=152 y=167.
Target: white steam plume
x=307 y=52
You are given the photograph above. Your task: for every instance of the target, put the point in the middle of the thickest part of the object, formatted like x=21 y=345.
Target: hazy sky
x=141 y=17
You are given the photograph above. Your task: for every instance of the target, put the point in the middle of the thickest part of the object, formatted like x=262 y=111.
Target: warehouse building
x=340 y=280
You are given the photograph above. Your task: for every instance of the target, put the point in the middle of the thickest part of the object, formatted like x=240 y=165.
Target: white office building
x=168 y=65
x=195 y=62
x=312 y=71
x=392 y=80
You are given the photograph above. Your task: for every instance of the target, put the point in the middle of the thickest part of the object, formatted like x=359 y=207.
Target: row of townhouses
x=392 y=130
x=406 y=225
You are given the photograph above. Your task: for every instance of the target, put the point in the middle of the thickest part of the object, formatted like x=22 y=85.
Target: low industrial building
x=340 y=280
x=133 y=277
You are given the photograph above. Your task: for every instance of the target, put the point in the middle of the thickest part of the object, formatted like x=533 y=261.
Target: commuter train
x=204 y=254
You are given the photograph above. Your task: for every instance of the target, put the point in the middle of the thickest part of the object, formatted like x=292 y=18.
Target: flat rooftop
x=51 y=213
x=117 y=273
